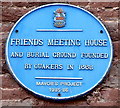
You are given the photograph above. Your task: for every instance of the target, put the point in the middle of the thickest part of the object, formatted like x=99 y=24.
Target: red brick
x=17 y=93
x=13 y=14
x=95 y=96
x=0 y=93
x=6 y=4
x=116 y=49
x=3 y=51
x=5 y=68
x=103 y=14
x=40 y=102
x=111 y=81
x=37 y=101
x=93 y=11
x=16 y=103
x=109 y=14
x=0 y=80
x=3 y=39
x=80 y=4
x=104 y=104
x=3 y=36
x=78 y=102
x=9 y=82
x=110 y=94
x=3 y=61
x=28 y=4
x=6 y=27
x=20 y=4
x=103 y=4
x=112 y=27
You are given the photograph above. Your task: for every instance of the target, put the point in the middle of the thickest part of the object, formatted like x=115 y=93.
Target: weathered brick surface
x=112 y=79
x=8 y=81
x=114 y=104
x=29 y=4
x=112 y=27
x=104 y=4
x=6 y=27
x=105 y=94
x=14 y=93
x=27 y=102
x=116 y=45
x=109 y=94
x=13 y=14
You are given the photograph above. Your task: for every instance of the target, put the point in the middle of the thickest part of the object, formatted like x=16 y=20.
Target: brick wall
x=106 y=94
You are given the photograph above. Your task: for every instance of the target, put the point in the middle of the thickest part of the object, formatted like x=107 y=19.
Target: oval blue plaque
x=59 y=51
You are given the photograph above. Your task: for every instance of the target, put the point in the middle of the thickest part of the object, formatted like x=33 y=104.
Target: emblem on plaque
x=59 y=18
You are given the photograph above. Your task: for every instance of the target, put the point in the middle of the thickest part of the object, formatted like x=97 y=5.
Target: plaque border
x=49 y=97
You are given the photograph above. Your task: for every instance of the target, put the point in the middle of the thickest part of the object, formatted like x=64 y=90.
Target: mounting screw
x=16 y=31
x=101 y=31
x=59 y=94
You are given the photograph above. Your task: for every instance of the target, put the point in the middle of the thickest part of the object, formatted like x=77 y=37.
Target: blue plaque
x=59 y=51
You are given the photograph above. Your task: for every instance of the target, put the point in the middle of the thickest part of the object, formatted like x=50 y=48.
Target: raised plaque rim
x=49 y=97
